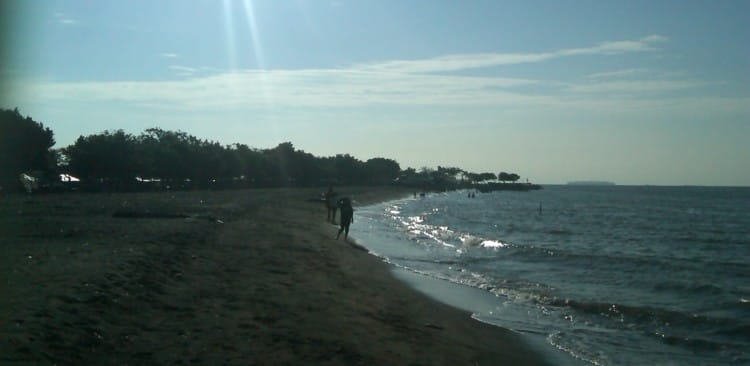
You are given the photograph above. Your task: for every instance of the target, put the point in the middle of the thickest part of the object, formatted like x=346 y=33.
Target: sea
x=592 y=275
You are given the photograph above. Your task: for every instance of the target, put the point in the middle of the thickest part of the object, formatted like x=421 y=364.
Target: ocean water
x=612 y=275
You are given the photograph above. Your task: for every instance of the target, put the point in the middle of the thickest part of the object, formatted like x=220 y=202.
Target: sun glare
x=254 y=34
x=230 y=39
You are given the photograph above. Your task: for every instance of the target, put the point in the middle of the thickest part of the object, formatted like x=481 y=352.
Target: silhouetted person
x=331 y=205
x=347 y=216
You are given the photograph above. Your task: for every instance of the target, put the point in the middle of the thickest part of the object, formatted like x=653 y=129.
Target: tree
x=504 y=177
x=164 y=155
x=107 y=158
x=487 y=176
x=451 y=172
x=381 y=170
x=252 y=165
x=349 y=169
x=280 y=165
x=472 y=177
x=24 y=146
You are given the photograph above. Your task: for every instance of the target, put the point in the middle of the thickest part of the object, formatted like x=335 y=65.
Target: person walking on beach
x=331 y=205
x=347 y=217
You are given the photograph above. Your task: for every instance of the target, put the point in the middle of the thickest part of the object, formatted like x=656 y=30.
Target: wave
x=560 y=232
x=692 y=288
x=632 y=313
x=693 y=344
x=739 y=331
x=635 y=262
x=446 y=236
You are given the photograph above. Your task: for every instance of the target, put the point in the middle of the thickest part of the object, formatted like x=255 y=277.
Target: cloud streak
x=634 y=86
x=416 y=82
x=474 y=61
x=617 y=74
x=183 y=70
x=297 y=88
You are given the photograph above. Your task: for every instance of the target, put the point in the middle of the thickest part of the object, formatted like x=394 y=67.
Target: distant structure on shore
x=591 y=183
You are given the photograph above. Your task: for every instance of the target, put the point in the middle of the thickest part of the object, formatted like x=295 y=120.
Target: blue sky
x=636 y=92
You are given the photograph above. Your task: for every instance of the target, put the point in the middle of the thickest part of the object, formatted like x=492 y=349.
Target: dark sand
x=156 y=278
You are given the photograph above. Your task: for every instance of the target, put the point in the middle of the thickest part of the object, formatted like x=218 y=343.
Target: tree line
x=177 y=160
x=162 y=159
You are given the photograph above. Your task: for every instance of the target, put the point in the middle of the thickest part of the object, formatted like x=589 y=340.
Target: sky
x=634 y=92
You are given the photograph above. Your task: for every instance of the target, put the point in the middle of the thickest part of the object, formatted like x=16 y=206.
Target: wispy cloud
x=310 y=88
x=169 y=55
x=655 y=38
x=389 y=83
x=183 y=70
x=64 y=19
x=634 y=86
x=617 y=74
x=472 y=61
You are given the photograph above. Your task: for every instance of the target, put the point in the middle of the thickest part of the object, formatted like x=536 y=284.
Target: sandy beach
x=251 y=277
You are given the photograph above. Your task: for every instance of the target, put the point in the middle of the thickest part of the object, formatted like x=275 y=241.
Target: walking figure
x=331 y=205
x=347 y=216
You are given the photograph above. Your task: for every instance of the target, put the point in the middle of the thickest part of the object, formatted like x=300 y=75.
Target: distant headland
x=590 y=183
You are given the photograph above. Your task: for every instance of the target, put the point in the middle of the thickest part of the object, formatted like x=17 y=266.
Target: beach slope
x=236 y=277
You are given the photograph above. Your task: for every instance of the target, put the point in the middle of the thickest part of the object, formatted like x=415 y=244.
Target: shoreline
x=267 y=284
x=471 y=300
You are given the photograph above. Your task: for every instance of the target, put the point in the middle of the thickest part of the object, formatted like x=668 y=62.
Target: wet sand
x=249 y=277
